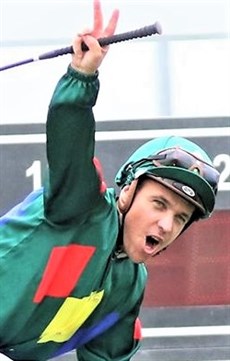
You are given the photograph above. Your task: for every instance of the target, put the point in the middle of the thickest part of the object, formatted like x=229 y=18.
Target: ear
x=126 y=196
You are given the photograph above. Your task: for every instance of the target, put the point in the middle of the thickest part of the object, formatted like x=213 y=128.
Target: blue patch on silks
x=83 y=336
x=19 y=209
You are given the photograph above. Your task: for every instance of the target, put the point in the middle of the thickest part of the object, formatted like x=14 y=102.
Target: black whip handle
x=139 y=33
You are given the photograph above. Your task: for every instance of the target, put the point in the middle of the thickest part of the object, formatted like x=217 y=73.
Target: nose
x=165 y=223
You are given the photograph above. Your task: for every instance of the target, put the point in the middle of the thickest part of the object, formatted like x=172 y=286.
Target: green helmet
x=180 y=165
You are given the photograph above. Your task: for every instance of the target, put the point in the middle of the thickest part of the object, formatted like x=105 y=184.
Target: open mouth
x=152 y=245
x=151 y=241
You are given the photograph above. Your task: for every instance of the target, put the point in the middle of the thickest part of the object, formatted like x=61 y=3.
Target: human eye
x=182 y=219
x=159 y=203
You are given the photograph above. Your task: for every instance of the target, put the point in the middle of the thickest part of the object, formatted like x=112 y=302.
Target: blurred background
x=185 y=72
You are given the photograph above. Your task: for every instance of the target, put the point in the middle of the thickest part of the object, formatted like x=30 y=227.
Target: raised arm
x=73 y=183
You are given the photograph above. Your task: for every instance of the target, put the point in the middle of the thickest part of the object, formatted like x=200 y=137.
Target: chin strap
x=124 y=202
x=119 y=252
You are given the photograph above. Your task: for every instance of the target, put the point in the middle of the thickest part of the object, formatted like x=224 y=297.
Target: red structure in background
x=195 y=269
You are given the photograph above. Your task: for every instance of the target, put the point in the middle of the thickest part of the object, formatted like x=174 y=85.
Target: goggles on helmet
x=177 y=157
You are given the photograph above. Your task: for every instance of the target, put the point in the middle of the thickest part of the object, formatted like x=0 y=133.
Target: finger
x=98 y=17
x=111 y=27
x=77 y=45
x=92 y=43
x=86 y=31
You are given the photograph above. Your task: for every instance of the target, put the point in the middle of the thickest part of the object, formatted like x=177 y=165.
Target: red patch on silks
x=99 y=169
x=63 y=270
x=137 y=330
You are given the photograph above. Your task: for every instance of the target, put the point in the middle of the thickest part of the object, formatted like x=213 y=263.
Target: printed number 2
x=224 y=160
x=35 y=172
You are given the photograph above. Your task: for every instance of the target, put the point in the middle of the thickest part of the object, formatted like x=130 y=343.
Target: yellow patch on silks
x=70 y=317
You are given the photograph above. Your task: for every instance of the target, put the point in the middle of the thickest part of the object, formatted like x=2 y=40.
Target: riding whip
x=139 y=33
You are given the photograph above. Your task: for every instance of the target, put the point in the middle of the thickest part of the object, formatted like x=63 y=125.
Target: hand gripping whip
x=139 y=33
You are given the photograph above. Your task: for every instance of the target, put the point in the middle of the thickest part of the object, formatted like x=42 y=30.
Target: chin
x=136 y=259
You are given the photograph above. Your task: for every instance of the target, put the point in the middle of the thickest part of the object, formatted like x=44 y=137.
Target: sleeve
x=119 y=343
x=72 y=184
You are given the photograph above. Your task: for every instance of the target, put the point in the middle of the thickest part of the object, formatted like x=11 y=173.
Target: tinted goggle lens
x=182 y=159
